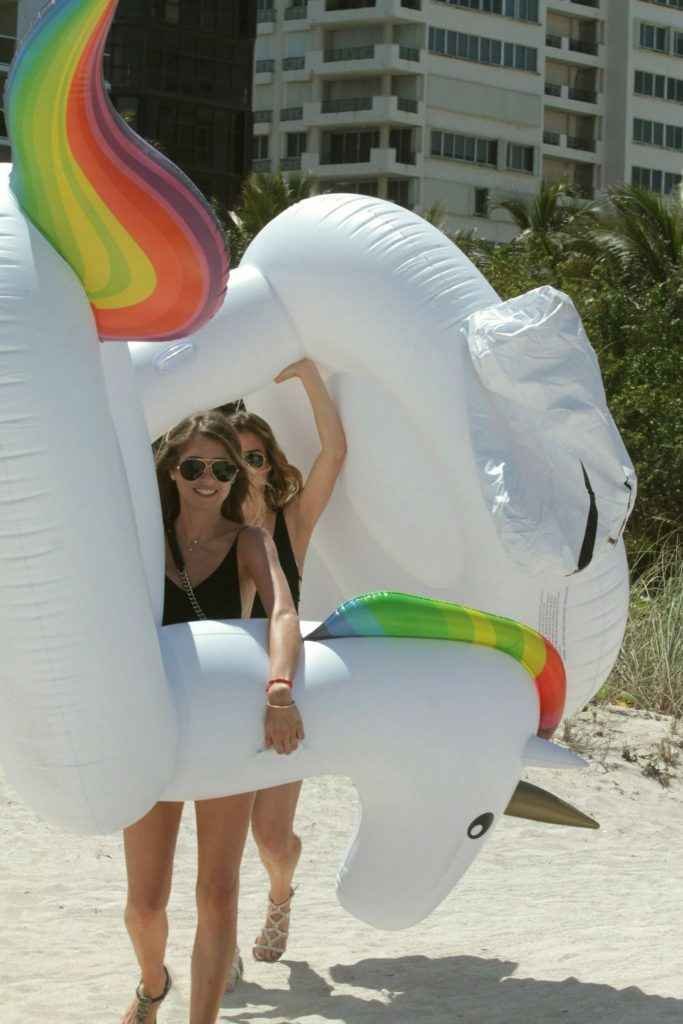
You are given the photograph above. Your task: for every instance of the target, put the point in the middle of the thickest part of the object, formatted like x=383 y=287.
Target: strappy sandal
x=275 y=932
x=236 y=972
x=144 y=1003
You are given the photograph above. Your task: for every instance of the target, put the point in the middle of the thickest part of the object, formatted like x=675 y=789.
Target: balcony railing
x=553 y=89
x=346 y=105
x=7 y=48
x=260 y=166
x=581 y=46
x=412 y=5
x=582 y=95
x=348 y=5
x=293 y=63
x=261 y=66
x=292 y=114
x=405 y=156
x=350 y=53
x=553 y=40
x=404 y=103
x=408 y=53
x=588 y=145
x=295 y=12
x=290 y=163
x=262 y=116
x=265 y=14
x=551 y=138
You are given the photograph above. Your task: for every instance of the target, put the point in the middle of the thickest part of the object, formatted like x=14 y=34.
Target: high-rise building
x=180 y=72
x=8 y=38
x=465 y=102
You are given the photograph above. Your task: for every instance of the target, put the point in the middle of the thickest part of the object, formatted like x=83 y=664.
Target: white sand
x=548 y=925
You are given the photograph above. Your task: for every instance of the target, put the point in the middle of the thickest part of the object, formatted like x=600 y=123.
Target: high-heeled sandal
x=275 y=932
x=236 y=972
x=137 y=1013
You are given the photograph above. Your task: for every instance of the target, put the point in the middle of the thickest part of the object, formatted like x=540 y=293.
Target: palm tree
x=554 y=208
x=262 y=198
x=640 y=234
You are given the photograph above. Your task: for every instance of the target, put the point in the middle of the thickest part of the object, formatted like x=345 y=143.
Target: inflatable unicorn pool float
x=484 y=468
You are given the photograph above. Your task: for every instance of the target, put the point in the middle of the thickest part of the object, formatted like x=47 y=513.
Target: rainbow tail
x=142 y=239
x=387 y=614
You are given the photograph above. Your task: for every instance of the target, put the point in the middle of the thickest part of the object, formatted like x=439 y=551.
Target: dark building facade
x=180 y=72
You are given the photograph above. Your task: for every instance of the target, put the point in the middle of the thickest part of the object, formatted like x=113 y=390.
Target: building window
x=482 y=50
x=349 y=147
x=521 y=10
x=172 y=12
x=520 y=158
x=655 y=181
x=259 y=148
x=654 y=37
x=469 y=148
x=481 y=202
x=295 y=144
x=398 y=191
x=654 y=133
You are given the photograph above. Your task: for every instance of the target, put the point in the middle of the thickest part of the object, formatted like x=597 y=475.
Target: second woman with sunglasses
x=288 y=509
x=213 y=565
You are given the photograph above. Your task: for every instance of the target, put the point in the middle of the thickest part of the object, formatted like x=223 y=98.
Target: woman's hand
x=284 y=727
x=300 y=368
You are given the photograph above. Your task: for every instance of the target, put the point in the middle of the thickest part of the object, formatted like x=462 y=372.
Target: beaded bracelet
x=278 y=679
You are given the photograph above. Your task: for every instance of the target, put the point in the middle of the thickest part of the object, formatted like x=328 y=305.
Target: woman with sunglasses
x=288 y=509
x=213 y=564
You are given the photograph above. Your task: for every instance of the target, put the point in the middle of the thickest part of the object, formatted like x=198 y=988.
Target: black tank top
x=288 y=563
x=218 y=595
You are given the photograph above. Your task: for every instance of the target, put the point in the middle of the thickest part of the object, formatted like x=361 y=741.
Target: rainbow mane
x=403 y=615
x=139 y=235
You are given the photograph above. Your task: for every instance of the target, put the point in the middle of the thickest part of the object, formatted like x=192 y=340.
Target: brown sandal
x=275 y=932
x=137 y=1013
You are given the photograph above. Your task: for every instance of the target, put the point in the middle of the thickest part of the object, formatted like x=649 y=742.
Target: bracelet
x=279 y=707
x=278 y=679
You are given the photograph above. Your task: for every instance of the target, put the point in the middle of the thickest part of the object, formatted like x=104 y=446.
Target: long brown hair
x=207 y=424
x=284 y=480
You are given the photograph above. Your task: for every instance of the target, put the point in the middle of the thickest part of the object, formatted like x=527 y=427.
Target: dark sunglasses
x=222 y=470
x=256 y=460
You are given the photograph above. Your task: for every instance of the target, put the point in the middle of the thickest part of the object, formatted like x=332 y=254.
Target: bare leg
x=150 y=846
x=272 y=824
x=221 y=832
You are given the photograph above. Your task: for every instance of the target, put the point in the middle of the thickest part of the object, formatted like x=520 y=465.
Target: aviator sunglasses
x=256 y=460
x=221 y=469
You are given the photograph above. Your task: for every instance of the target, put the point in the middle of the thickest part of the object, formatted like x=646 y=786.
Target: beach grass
x=649 y=670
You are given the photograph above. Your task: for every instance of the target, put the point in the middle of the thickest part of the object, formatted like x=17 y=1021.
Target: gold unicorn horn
x=537 y=804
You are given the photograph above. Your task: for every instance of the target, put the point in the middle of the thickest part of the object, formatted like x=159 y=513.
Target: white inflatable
x=483 y=468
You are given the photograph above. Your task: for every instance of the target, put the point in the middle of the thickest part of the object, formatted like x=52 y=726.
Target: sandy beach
x=548 y=925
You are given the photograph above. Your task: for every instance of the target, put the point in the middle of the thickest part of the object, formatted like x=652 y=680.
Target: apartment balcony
x=7 y=47
x=591 y=7
x=576 y=51
x=290 y=163
x=572 y=147
x=330 y=13
x=361 y=60
x=569 y=97
x=383 y=161
x=265 y=21
x=295 y=17
x=295 y=69
x=263 y=71
x=291 y=114
x=364 y=110
x=261 y=166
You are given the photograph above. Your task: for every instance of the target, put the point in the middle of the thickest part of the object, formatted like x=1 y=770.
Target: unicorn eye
x=480 y=826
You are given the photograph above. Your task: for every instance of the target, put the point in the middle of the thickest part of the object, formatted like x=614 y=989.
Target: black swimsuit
x=288 y=563
x=218 y=595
